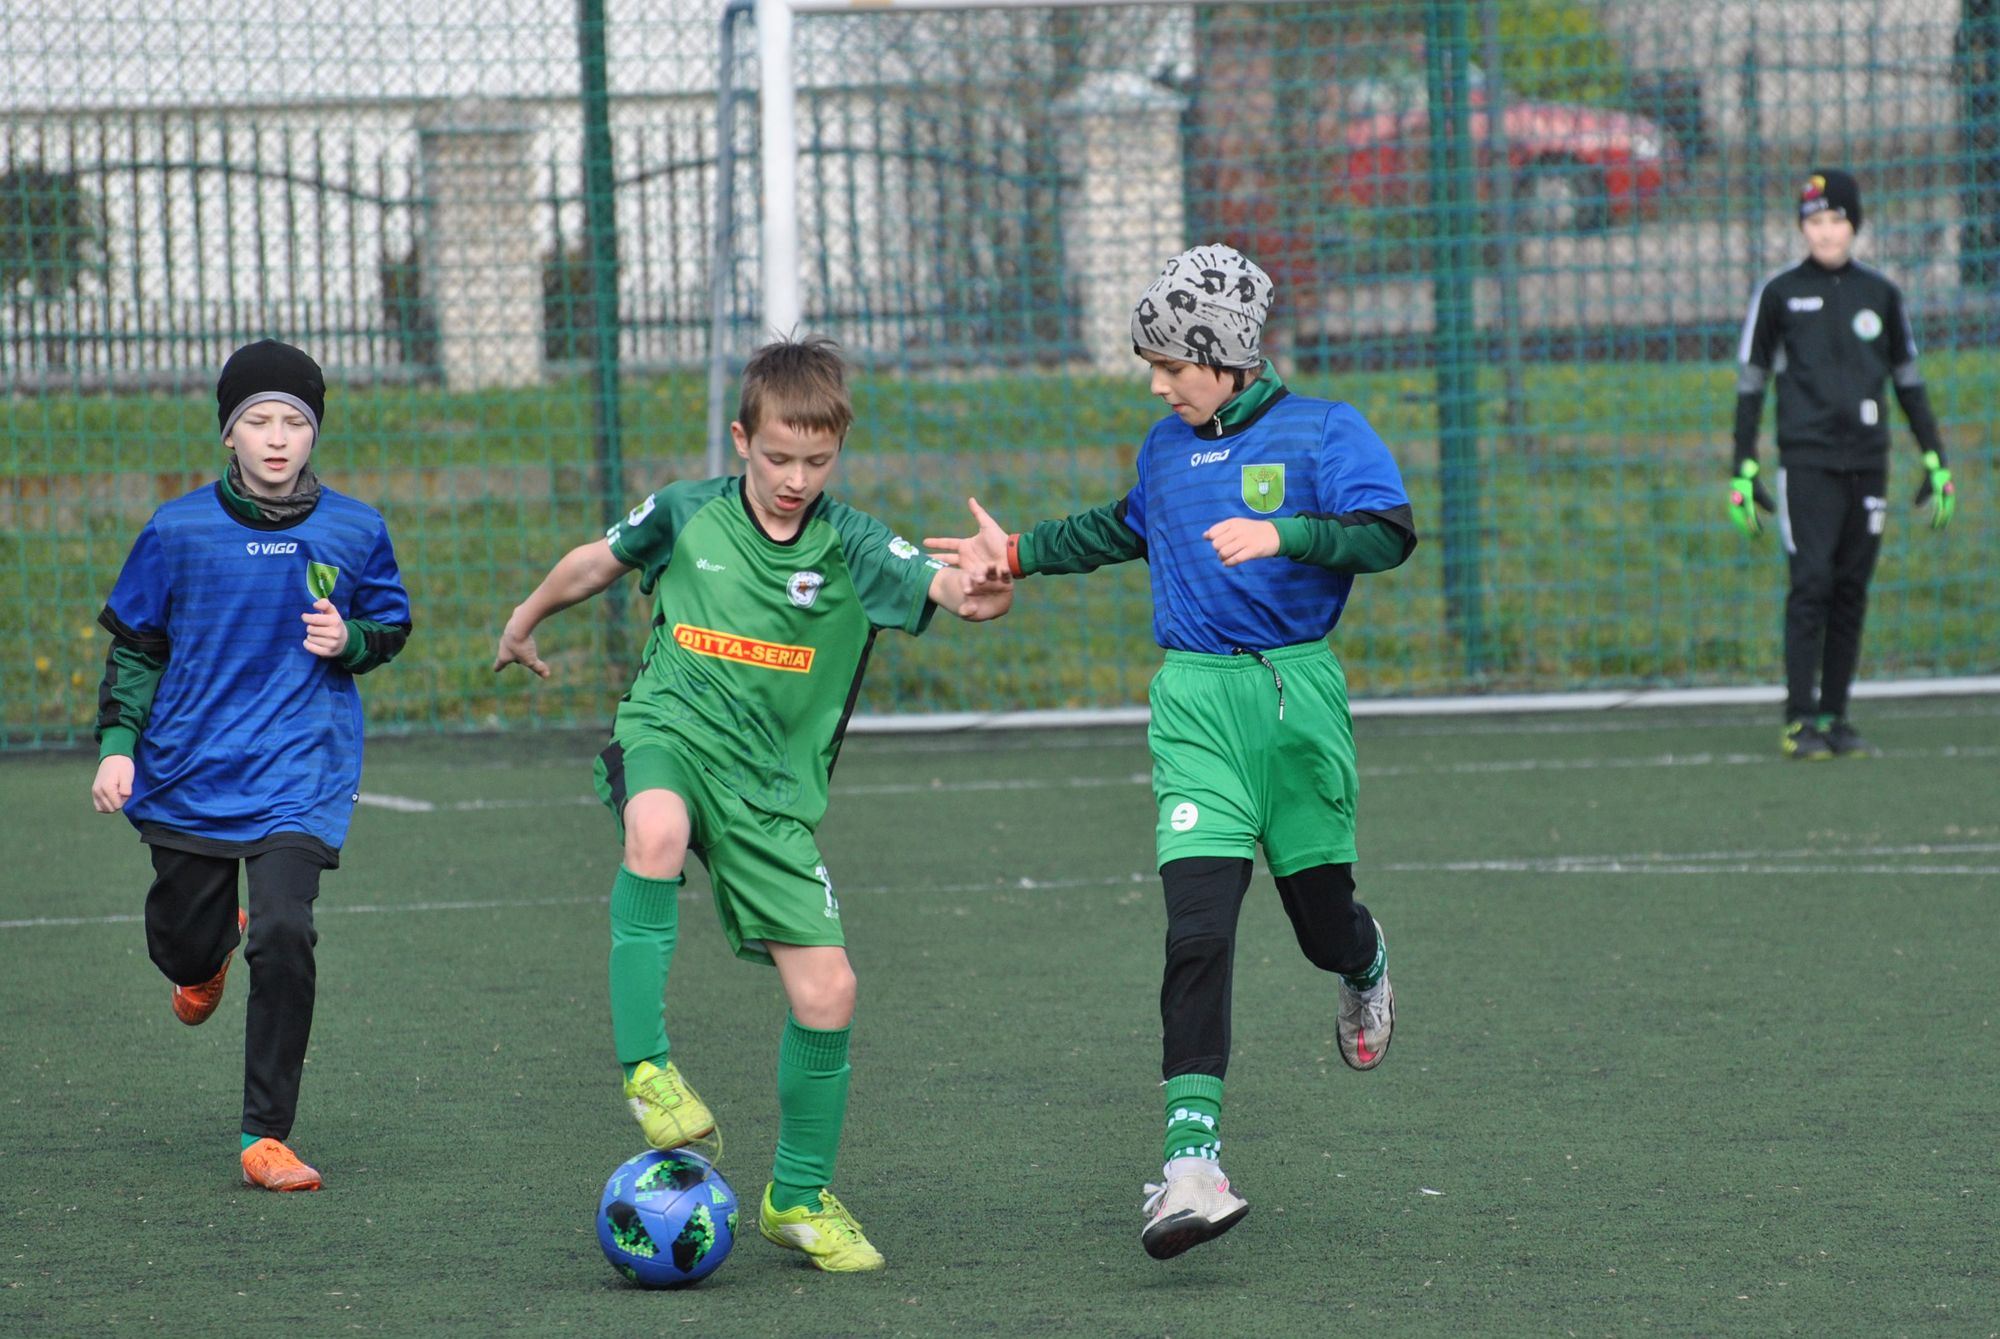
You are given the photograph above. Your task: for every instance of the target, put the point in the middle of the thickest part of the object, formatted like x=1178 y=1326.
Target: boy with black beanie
x=224 y=737
x=1831 y=330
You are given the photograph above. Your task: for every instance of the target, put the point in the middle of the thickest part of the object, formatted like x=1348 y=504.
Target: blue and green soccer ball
x=666 y=1219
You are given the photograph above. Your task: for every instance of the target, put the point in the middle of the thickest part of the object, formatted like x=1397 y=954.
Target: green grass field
x=1692 y=1042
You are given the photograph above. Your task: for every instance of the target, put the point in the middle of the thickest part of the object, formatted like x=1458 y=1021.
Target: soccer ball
x=666 y=1219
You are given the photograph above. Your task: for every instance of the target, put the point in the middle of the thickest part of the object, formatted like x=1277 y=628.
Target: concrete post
x=481 y=258
x=1124 y=211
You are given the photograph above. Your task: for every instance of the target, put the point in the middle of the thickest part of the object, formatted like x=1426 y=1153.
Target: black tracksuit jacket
x=1831 y=337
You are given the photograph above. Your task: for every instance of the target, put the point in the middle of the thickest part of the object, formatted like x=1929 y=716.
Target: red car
x=1571 y=167
x=1365 y=144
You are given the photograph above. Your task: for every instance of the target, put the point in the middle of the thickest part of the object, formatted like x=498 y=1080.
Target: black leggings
x=191 y=929
x=1833 y=523
x=1204 y=898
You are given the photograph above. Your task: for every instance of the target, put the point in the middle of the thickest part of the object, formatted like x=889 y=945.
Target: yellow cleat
x=828 y=1235
x=668 y=1110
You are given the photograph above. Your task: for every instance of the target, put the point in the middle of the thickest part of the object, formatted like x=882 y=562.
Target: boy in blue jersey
x=768 y=595
x=229 y=722
x=1255 y=509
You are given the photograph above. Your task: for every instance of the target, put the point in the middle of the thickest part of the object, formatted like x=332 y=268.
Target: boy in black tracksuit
x=1831 y=330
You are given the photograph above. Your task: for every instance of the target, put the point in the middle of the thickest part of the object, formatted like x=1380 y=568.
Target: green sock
x=249 y=1139
x=812 y=1106
x=1369 y=975
x=1194 y=1117
x=645 y=914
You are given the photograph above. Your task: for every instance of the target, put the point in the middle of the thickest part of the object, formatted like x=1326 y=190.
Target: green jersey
x=758 y=646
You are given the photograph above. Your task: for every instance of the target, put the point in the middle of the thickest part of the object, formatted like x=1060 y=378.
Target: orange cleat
x=268 y=1163
x=193 y=1004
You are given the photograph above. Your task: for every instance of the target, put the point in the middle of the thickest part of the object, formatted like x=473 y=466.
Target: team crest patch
x=1264 y=487
x=803 y=588
x=320 y=578
x=1867 y=324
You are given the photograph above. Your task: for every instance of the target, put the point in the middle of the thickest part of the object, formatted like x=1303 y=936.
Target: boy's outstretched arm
x=579 y=574
x=1080 y=543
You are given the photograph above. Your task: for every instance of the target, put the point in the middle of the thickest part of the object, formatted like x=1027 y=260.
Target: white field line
x=411 y=805
x=1804 y=860
x=328 y=908
x=1473 y=705
x=1640 y=863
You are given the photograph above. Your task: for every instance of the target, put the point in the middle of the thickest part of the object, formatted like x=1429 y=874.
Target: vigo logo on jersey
x=266 y=550
x=743 y=650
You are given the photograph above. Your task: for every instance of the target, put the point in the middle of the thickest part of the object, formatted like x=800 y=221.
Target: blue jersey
x=249 y=734
x=1302 y=457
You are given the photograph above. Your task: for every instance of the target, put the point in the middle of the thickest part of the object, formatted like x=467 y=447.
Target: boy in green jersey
x=768 y=595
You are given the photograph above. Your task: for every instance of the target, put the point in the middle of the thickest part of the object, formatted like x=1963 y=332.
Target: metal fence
x=1519 y=236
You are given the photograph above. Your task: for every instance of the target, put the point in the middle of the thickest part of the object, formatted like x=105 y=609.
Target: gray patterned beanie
x=1208 y=306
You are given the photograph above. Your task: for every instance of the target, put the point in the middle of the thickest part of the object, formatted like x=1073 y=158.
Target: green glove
x=1746 y=495
x=1936 y=489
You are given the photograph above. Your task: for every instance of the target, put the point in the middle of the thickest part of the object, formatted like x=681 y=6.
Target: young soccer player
x=1255 y=508
x=768 y=596
x=1831 y=329
x=229 y=721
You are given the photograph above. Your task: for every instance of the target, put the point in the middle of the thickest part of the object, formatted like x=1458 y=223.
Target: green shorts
x=768 y=878
x=1228 y=773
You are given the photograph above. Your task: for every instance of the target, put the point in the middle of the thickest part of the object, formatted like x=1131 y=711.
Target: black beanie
x=1830 y=188
x=268 y=370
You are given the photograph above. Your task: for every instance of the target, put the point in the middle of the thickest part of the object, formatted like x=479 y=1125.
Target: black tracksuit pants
x=1204 y=898
x=1832 y=524
x=191 y=929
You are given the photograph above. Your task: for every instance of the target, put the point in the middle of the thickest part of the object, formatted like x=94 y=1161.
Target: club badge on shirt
x=320 y=579
x=1264 y=487
x=804 y=588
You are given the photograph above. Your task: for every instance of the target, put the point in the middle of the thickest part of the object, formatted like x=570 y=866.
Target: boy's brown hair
x=801 y=383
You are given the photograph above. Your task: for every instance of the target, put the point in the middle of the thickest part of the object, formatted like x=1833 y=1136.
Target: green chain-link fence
x=1519 y=236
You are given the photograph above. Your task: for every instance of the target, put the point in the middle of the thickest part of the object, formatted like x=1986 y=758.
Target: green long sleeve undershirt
x=1350 y=544
x=1361 y=542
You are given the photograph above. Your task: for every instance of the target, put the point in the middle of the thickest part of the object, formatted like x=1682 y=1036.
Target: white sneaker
x=1367 y=1020
x=1194 y=1205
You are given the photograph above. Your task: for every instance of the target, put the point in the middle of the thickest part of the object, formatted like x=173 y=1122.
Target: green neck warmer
x=294 y=506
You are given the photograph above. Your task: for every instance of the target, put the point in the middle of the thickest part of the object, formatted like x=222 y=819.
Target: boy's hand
x=1746 y=496
x=1936 y=489
x=1240 y=539
x=113 y=785
x=981 y=556
x=518 y=648
x=326 y=630
x=973 y=602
